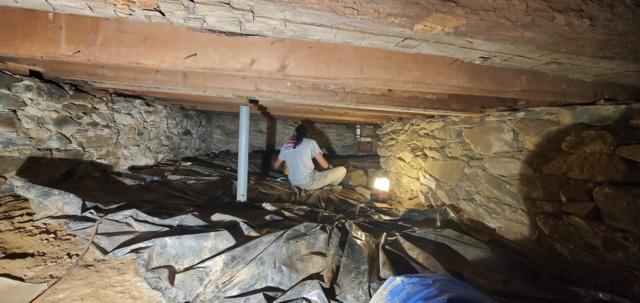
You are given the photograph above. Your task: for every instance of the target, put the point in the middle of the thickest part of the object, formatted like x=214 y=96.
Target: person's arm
x=322 y=161
x=276 y=165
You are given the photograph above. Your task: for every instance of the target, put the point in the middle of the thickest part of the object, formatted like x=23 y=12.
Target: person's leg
x=338 y=174
x=330 y=176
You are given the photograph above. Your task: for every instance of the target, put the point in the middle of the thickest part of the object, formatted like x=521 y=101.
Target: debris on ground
x=36 y=253
x=193 y=243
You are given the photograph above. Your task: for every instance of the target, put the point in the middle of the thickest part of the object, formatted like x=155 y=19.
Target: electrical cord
x=73 y=266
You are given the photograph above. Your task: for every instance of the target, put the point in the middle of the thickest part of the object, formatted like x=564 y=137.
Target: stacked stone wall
x=565 y=181
x=50 y=120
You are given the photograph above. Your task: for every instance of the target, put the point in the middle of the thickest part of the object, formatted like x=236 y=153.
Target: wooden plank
x=540 y=43
x=202 y=85
x=285 y=115
x=295 y=112
x=109 y=42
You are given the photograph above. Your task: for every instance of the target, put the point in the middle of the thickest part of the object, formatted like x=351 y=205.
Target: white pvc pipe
x=243 y=154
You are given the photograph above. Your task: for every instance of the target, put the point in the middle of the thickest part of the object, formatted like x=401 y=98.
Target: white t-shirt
x=300 y=160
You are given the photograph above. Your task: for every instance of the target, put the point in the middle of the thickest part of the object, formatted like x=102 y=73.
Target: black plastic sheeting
x=194 y=244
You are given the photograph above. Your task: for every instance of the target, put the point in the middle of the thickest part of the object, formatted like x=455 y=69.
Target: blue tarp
x=427 y=288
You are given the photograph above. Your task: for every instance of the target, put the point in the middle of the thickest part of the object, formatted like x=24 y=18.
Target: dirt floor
x=40 y=252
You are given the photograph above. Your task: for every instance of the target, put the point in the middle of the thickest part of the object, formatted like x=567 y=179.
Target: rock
x=580 y=209
x=457 y=150
x=9 y=122
x=398 y=166
x=629 y=151
x=151 y=115
x=590 y=167
x=363 y=191
x=442 y=195
x=591 y=141
x=432 y=125
x=427 y=180
x=491 y=139
x=410 y=183
x=575 y=192
x=68 y=154
x=12 y=141
x=578 y=232
x=65 y=124
x=28 y=120
x=10 y=102
x=492 y=187
x=593 y=115
x=506 y=166
x=7 y=80
x=620 y=206
x=85 y=99
x=102 y=118
x=506 y=220
x=124 y=119
x=74 y=108
x=542 y=206
x=432 y=154
x=406 y=156
x=546 y=223
x=36 y=90
x=47 y=201
x=98 y=137
x=122 y=105
x=429 y=143
x=531 y=131
x=55 y=141
x=448 y=133
x=447 y=171
x=356 y=177
x=553 y=188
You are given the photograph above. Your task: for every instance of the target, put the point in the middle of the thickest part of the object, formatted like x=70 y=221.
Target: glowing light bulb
x=381 y=183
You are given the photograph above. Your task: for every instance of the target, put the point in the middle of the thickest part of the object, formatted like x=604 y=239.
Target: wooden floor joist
x=160 y=59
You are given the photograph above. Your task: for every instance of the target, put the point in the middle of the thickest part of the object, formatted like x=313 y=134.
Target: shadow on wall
x=581 y=188
x=321 y=138
x=270 y=140
x=269 y=155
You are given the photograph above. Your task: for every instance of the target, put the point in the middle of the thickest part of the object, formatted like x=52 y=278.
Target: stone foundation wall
x=335 y=138
x=49 y=120
x=566 y=180
x=490 y=167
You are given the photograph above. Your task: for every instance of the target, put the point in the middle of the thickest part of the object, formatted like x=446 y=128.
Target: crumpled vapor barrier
x=194 y=244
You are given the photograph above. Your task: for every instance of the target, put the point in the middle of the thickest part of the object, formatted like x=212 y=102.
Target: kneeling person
x=298 y=153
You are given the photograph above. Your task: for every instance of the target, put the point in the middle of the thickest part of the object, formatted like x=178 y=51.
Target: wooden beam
x=295 y=111
x=286 y=115
x=111 y=43
x=465 y=31
x=201 y=85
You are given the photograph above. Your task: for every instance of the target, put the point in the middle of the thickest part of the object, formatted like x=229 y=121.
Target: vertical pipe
x=243 y=154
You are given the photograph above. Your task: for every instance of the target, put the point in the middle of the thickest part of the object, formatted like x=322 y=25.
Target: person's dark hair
x=301 y=133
